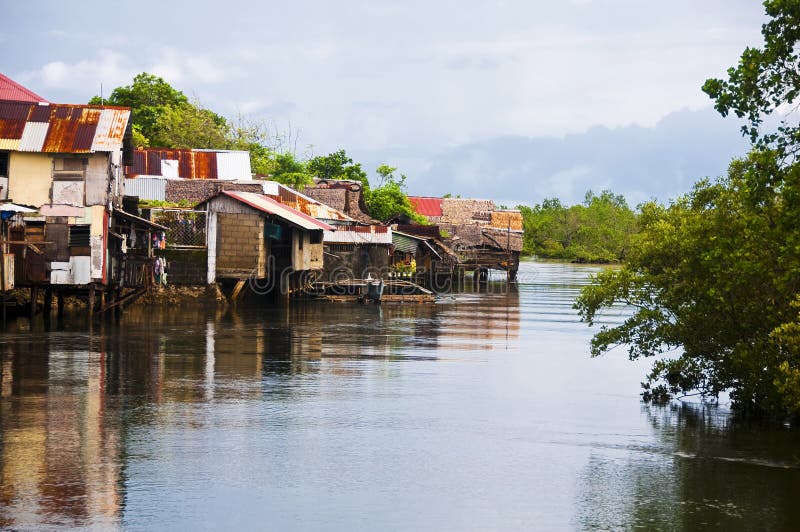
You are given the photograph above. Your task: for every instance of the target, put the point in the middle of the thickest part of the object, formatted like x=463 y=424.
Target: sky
x=515 y=101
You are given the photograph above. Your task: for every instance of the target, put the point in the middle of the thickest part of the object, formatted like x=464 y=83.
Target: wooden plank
x=237 y=290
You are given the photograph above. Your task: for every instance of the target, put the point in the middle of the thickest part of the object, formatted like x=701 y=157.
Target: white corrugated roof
x=343 y=236
x=33 y=136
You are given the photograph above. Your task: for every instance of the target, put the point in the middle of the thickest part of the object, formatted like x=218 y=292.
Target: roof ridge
x=9 y=85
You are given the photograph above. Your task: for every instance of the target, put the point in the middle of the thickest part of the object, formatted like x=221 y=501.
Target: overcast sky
x=514 y=101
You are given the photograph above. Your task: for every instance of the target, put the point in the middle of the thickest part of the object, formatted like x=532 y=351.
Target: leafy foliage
x=597 y=231
x=766 y=80
x=337 y=165
x=389 y=197
x=148 y=97
x=716 y=275
x=190 y=126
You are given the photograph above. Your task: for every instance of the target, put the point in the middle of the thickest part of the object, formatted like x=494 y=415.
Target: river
x=481 y=412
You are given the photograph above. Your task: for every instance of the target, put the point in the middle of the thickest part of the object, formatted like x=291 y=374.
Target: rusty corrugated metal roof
x=308 y=205
x=110 y=129
x=11 y=90
x=192 y=163
x=61 y=128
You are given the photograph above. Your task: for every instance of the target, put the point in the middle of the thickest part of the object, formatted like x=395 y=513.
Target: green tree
x=389 y=197
x=715 y=274
x=337 y=165
x=148 y=97
x=599 y=230
x=190 y=126
x=715 y=277
x=766 y=80
x=289 y=171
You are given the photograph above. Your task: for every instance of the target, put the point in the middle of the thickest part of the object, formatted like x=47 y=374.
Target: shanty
x=63 y=164
x=88 y=213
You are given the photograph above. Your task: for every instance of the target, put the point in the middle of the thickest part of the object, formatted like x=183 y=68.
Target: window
x=3 y=164
x=300 y=238
x=69 y=169
x=316 y=237
x=79 y=236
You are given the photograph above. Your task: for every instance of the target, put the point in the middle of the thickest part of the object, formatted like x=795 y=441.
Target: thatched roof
x=341 y=195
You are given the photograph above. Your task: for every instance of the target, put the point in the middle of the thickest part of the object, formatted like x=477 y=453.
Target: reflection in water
x=482 y=411
x=72 y=400
x=704 y=470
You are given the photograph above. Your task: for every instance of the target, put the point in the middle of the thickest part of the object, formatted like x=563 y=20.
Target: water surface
x=481 y=412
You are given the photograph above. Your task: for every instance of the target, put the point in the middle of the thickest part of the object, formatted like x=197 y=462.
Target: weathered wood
x=48 y=301
x=119 y=301
x=237 y=290
x=91 y=300
x=34 y=298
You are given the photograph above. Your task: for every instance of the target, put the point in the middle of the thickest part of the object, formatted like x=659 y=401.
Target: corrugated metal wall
x=147 y=188
x=233 y=165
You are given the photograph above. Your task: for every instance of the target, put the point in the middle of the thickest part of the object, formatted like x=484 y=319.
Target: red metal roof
x=11 y=90
x=426 y=206
x=266 y=204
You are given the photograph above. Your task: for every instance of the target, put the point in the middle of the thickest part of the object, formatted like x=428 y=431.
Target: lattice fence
x=185 y=228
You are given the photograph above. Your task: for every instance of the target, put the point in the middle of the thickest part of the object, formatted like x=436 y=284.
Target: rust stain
x=40 y=113
x=205 y=165
x=12 y=119
x=71 y=130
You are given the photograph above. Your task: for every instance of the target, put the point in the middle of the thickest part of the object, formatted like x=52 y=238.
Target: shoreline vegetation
x=713 y=279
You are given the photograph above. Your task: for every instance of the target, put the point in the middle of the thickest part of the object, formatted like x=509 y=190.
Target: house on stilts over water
x=481 y=235
x=64 y=163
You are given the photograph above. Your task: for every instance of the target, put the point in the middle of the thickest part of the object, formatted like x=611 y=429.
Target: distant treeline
x=598 y=230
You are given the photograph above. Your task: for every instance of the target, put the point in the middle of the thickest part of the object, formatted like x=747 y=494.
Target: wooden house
x=65 y=162
x=358 y=248
x=483 y=236
x=253 y=237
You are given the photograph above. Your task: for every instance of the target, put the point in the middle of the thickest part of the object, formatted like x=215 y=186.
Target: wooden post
x=237 y=290
x=60 y=305
x=34 y=299
x=3 y=268
x=48 y=301
x=118 y=308
x=91 y=300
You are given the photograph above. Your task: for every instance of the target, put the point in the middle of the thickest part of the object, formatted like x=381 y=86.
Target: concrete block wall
x=197 y=190
x=240 y=245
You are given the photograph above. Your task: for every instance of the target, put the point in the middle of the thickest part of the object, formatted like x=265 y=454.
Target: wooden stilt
x=34 y=300
x=48 y=301
x=91 y=301
x=237 y=290
x=60 y=305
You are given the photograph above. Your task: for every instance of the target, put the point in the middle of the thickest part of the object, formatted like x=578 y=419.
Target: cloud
x=108 y=67
x=192 y=68
x=641 y=163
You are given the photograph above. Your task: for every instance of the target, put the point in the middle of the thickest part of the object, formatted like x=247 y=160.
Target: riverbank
x=181 y=295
